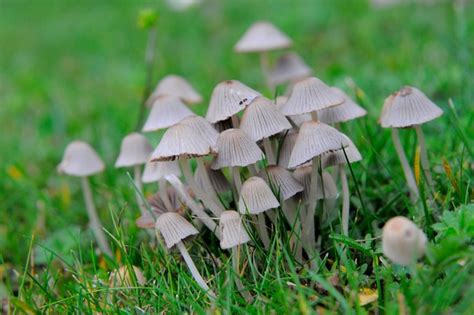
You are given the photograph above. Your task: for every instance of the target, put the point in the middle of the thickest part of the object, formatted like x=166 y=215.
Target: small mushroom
x=81 y=160
x=402 y=241
x=165 y=112
x=346 y=111
x=289 y=68
x=174 y=229
x=216 y=177
x=174 y=85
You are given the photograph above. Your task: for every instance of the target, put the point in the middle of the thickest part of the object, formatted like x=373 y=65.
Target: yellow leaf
x=14 y=173
x=449 y=173
x=367 y=296
x=416 y=167
x=102 y=263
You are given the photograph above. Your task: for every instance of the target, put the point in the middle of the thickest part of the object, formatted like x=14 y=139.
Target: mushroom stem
x=95 y=223
x=289 y=210
x=264 y=66
x=207 y=181
x=164 y=195
x=345 y=201
x=235 y=172
x=267 y=145
x=235 y=121
x=424 y=155
x=137 y=177
x=208 y=202
x=314 y=115
x=195 y=208
x=253 y=169
x=309 y=228
x=405 y=166
x=194 y=272
x=235 y=266
x=262 y=230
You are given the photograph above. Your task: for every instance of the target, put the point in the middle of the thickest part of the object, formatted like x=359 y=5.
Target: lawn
x=75 y=70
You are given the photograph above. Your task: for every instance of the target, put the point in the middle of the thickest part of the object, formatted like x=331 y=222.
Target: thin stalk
x=164 y=195
x=289 y=211
x=262 y=230
x=207 y=181
x=345 y=201
x=95 y=223
x=208 y=202
x=235 y=266
x=414 y=194
x=425 y=165
x=267 y=145
x=264 y=66
x=253 y=169
x=137 y=178
x=235 y=121
x=194 y=272
x=310 y=223
x=235 y=173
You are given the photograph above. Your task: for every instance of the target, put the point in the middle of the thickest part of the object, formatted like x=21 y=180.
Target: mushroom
x=233 y=235
x=286 y=148
x=166 y=111
x=174 y=85
x=156 y=172
x=135 y=151
x=80 y=160
x=348 y=110
x=402 y=241
x=216 y=177
x=261 y=120
x=262 y=37
x=409 y=107
x=174 y=229
x=289 y=68
x=228 y=98
x=255 y=198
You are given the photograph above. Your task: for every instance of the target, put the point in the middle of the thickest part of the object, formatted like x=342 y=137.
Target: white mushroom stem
x=195 y=208
x=95 y=223
x=253 y=169
x=345 y=200
x=209 y=189
x=235 y=121
x=137 y=178
x=405 y=166
x=208 y=202
x=235 y=173
x=289 y=210
x=425 y=165
x=264 y=66
x=262 y=230
x=194 y=272
x=267 y=145
x=164 y=195
x=235 y=266
x=309 y=224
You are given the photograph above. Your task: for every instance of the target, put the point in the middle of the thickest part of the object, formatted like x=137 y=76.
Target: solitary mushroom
x=174 y=85
x=166 y=111
x=134 y=152
x=80 y=160
x=174 y=228
x=234 y=234
x=402 y=241
x=289 y=68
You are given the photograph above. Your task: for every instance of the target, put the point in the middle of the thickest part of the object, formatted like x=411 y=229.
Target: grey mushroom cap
x=282 y=180
x=348 y=110
x=154 y=171
x=174 y=228
x=233 y=232
x=289 y=67
x=203 y=128
x=80 y=160
x=338 y=157
x=165 y=112
x=256 y=196
x=262 y=36
x=134 y=150
x=175 y=85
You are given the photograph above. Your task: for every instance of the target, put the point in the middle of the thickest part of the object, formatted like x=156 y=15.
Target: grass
x=75 y=70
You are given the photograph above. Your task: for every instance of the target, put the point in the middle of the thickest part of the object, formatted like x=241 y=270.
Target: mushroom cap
x=154 y=171
x=310 y=95
x=233 y=232
x=282 y=180
x=408 y=107
x=174 y=228
x=80 y=160
x=158 y=206
x=326 y=188
x=135 y=150
x=262 y=36
x=337 y=157
x=228 y=98
x=203 y=128
x=174 y=85
x=256 y=196
x=122 y=277
x=289 y=67
x=315 y=138
x=262 y=119
x=165 y=112
x=181 y=141
x=286 y=148
x=346 y=111
x=236 y=148
x=217 y=178
x=402 y=241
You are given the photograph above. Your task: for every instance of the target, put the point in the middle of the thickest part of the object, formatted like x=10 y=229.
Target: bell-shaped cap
x=203 y=128
x=338 y=157
x=325 y=188
x=236 y=149
x=135 y=150
x=228 y=98
x=310 y=95
x=217 y=178
x=174 y=85
x=122 y=277
x=81 y=160
x=281 y=180
x=408 y=107
x=289 y=68
x=402 y=241
x=346 y=111
x=233 y=232
x=181 y=141
x=262 y=119
x=256 y=196
x=174 y=228
x=314 y=139
x=287 y=147
x=262 y=36
x=165 y=112
x=154 y=171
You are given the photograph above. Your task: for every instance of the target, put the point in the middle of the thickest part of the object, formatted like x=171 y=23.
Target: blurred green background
x=75 y=69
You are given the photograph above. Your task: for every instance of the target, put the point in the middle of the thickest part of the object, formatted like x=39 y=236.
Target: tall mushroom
x=174 y=229
x=165 y=112
x=134 y=152
x=174 y=85
x=81 y=160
